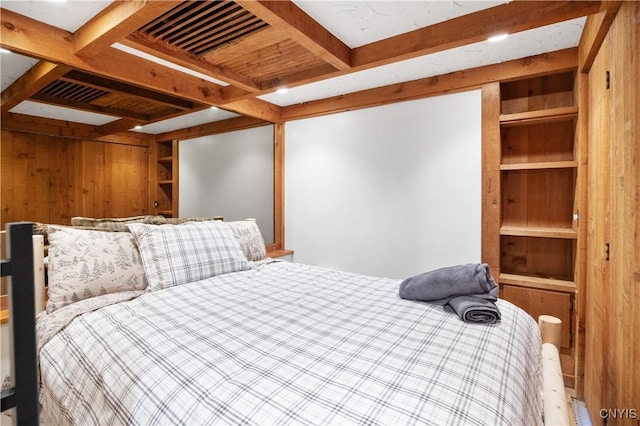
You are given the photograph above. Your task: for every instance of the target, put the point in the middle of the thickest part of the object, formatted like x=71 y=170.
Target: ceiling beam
x=302 y=29
x=49 y=126
x=547 y=63
x=117 y=126
x=222 y=126
x=181 y=57
x=594 y=32
x=508 y=18
x=31 y=82
x=66 y=129
x=117 y=86
x=126 y=124
x=85 y=106
x=33 y=38
x=115 y=22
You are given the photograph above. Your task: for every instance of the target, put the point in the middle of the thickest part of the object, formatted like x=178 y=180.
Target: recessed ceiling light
x=3 y=50
x=282 y=90
x=214 y=108
x=138 y=127
x=498 y=37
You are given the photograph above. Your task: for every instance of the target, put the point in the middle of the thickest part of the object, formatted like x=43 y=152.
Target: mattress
x=283 y=344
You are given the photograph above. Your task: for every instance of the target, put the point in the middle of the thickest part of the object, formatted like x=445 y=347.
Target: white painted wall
x=229 y=175
x=388 y=191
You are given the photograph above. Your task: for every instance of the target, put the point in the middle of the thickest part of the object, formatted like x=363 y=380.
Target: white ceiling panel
x=12 y=66
x=60 y=113
x=208 y=115
x=68 y=15
x=357 y=23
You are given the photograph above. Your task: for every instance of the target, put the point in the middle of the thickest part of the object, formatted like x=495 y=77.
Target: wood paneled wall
x=612 y=376
x=50 y=179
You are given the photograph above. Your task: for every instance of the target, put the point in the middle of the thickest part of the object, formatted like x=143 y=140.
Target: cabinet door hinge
x=571 y=305
x=607 y=249
x=570 y=338
x=608 y=80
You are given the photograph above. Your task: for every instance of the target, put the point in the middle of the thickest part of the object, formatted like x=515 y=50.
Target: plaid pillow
x=178 y=254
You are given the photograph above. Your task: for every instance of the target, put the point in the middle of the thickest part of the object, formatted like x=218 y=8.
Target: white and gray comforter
x=288 y=344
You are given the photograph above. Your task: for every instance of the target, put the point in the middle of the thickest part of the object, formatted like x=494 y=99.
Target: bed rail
x=19 y=267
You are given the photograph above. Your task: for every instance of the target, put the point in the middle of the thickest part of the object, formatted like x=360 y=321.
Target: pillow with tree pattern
x=84 y=264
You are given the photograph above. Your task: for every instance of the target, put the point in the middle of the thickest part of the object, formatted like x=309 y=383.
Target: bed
x=271 y=342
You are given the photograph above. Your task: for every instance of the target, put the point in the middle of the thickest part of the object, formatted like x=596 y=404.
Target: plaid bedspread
x=290 y=344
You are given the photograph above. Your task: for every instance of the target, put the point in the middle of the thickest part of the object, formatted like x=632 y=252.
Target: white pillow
x=250 y=238
x=178 y=254
x=84 y=264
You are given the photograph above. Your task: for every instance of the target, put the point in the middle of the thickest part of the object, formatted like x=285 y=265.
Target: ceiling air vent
x=201 y=26
x=72 y=91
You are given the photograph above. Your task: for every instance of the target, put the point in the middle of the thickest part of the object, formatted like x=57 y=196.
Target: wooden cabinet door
x=541 y=302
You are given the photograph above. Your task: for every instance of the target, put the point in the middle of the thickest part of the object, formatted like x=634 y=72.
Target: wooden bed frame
x=555 y=403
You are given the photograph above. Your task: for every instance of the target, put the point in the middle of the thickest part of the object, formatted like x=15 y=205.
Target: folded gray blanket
x=469 y=290
x=474 y=309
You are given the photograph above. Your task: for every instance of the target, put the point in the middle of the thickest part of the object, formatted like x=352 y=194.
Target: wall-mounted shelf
x=541 y=165
x=540 y=232
x=538 y=282
x=541 y=116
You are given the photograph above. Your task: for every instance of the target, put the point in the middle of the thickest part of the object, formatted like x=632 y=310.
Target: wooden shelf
x=167 y=160
x=535 y=231
x=537 y=282
x=540 y=165
x=165 y=182
x=541 y=116
x=279 y=253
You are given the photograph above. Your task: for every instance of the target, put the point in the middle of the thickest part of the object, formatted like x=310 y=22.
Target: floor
x=578 y=414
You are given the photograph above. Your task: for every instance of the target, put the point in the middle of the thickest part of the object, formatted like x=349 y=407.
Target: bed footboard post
x=556 y=411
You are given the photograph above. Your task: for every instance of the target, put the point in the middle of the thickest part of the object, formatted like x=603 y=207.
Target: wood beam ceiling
x=88 y=51
x=512 y=17
x=29 y=37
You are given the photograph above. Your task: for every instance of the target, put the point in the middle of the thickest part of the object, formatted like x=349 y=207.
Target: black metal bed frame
x=19 y=266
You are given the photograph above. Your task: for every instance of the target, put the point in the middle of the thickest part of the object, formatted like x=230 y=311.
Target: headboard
x=19 y=266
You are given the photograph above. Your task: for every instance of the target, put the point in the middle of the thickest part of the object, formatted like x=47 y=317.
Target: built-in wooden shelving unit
x=165 y=185
x=536 y=213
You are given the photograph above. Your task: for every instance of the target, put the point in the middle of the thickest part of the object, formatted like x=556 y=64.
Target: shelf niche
x=539 y=257
x=537 y=93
